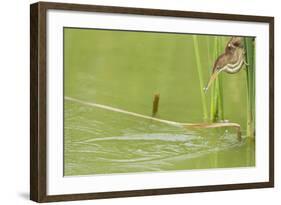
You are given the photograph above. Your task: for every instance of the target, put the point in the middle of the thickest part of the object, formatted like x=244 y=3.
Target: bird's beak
x=211 y=80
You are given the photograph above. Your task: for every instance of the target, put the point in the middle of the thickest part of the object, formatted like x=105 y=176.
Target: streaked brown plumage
x=231 y=61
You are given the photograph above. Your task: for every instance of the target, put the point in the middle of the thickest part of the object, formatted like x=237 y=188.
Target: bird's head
x=217 y=68
x=213 y=77
x=234 y=43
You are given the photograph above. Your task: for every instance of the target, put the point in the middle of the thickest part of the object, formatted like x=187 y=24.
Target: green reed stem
x=200 y=75
x=213 y=106
x=216 y=106
x=220 y=98
x=220 y=87
x=250 y=78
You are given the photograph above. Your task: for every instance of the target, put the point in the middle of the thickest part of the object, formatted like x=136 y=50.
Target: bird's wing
x=234 y=67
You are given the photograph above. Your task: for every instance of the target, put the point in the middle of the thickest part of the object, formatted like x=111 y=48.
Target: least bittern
x=231 y=61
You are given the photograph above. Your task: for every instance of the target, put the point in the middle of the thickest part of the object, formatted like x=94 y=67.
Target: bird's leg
x=245 y=62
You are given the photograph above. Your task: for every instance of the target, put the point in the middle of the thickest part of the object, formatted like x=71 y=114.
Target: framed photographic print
x=134 y=102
